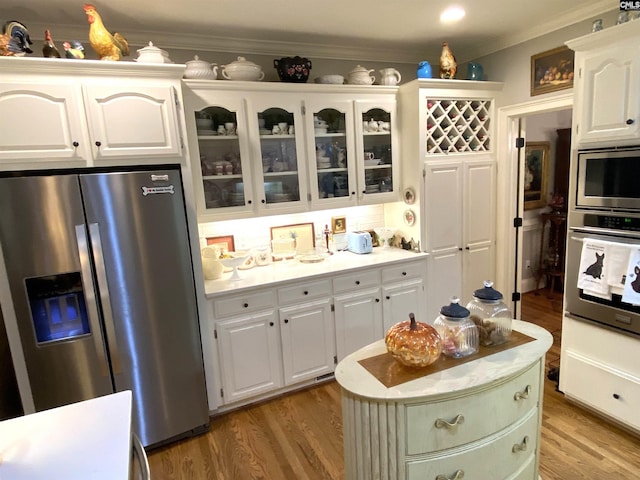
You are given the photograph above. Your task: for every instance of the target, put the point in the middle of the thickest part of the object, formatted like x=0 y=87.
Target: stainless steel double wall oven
x=604 y=206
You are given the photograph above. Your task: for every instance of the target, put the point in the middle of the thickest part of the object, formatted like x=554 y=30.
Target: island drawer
x=356 y=281
x=514 y=447
x=473 y=417
x=301 y=292
x=403 y=272
x=238 y=304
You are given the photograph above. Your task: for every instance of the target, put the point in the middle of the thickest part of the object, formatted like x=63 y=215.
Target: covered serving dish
x=412 y=343
x=152 y=54
x=200 y=70
x=242 y=69
x=360 y=76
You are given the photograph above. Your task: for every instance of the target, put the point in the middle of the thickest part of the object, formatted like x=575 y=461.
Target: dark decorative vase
x=293 y=69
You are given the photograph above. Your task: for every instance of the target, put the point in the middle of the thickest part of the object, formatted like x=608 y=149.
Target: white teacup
x=369 y=156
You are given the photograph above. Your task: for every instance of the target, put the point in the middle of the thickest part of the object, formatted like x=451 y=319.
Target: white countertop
x=88 y=440
x=278 y=272
x=354 y=378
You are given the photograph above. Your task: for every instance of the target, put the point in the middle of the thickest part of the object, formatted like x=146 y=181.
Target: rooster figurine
x=108 y=46
x=73 y=50
x=49 y=49
x=448 y=65
x=14 y=40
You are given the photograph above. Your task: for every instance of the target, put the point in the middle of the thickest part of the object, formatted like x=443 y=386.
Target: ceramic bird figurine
x=108 y=46
x=49 y=49
x=448 y=65
x=14 y=40
x=73 y=49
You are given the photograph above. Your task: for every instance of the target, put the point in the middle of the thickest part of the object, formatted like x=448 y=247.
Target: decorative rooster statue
x=108 y=46
x=73 y=50
x=448 y=65
x=14 y=40
x=49 y=49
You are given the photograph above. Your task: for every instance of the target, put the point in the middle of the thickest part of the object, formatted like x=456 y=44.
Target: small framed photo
x=536 y=164
x=339 y=224
x=552 y=70
x=225 y=243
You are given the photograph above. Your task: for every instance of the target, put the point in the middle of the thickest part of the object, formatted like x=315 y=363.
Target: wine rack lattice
x=458 y=126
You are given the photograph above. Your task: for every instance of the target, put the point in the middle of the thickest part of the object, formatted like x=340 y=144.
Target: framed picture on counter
x=536 y=166
x=339 y=224
x=302 y=233
x=225 y=243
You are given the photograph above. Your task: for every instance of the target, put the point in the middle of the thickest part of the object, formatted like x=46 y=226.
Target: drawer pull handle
x=521 y=447
x=306 y=292
x=286 y=320
x=404 y=274
x=522 y=395
x=245 y=305
x=456 y=476
x=630 y=121
x=440 y=423
x=357 y=282
x=616 y=396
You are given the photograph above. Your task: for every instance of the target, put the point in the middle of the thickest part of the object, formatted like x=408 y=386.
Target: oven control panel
x=612 y=222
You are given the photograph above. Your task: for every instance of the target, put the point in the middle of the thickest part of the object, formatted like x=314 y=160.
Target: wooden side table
x=551 y=265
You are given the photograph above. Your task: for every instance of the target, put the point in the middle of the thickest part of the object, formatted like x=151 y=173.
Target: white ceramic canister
x=360 y=76
x=200 y=70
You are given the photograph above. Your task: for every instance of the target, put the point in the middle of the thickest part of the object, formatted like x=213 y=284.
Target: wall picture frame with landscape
x=536 y=170
x=552 y=70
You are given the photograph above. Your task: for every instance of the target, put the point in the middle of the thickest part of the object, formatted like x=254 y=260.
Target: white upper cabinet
x=302 y=147
x=607 y=86
x=63 y=113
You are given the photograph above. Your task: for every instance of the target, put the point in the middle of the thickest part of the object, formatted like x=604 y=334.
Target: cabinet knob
x=388 y=297
x=263 y=201
x=75 y=144
x=467 y=247
x=616 y=396
x=306 y=292
x=364 y=191
x=404 y=274
x=357 y=282
x=460 y=248
x=245 y=305
x=378 y=300
x=353 y=193
x=630 y=121
x=286 y=320
x=271 y=324
x=98 y=143
x=249 y=202
x=459 y=475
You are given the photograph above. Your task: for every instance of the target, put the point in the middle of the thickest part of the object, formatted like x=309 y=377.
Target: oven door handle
x=604 y=231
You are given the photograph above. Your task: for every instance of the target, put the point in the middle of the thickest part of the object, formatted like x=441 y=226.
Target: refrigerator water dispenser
x=58 y=309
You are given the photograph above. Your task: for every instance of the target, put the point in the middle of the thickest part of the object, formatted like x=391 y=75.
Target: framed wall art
x=552 y=70
x=536 y=166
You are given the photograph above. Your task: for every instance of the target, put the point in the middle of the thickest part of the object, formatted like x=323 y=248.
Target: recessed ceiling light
x=452 y=14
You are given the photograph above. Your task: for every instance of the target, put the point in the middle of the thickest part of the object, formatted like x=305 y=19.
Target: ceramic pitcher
x=389 y=76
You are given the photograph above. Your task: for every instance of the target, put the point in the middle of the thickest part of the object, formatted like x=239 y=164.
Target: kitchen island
x=479 y=419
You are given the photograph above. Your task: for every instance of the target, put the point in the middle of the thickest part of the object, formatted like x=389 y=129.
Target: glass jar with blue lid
x=458 y=332
x=491 y=315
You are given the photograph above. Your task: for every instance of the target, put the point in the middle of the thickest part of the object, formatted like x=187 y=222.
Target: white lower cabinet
x=250 y=358
x=592 y=352
x=272 y=338
x=308 y=341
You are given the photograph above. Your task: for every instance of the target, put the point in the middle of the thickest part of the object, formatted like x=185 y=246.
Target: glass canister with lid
x=491 y=315
x=458 y=332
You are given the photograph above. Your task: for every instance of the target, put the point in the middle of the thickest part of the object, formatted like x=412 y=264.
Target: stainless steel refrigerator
x=102 y=285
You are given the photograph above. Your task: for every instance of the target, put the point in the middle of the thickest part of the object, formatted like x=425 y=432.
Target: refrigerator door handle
x=105 y=299
x=90 y=296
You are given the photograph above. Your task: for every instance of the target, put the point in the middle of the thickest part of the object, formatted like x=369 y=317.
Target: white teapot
x=360 y=76
x=390 y=76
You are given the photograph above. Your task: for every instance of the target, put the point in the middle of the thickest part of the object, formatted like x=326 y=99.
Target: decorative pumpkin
x=414 y=344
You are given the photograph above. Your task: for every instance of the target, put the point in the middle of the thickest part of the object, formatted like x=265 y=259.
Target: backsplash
x=256 y=232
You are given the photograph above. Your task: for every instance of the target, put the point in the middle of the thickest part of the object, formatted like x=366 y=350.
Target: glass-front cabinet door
x=279 y=165
x=377 y=176
x=331 y=154
x=224 y=158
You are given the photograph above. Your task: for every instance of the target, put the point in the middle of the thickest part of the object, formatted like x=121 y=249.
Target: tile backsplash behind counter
x=256 y=232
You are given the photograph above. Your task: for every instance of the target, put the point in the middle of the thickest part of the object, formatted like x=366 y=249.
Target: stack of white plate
x=372 y=188
x=323 y=162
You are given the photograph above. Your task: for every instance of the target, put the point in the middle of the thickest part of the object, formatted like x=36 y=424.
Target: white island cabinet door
x=308 y=341
x=42 y=125
x=127 y=121
x=249 y=355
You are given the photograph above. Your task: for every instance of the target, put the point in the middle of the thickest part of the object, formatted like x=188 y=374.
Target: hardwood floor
x=299 y=436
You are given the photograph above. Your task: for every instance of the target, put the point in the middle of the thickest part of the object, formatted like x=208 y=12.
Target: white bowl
x=330 y=79
x=235 y=260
